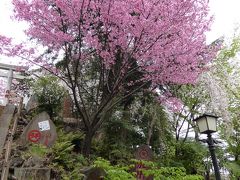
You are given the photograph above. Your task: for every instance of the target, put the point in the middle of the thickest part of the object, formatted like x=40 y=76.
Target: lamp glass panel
x=202 y=124
x=212 y=123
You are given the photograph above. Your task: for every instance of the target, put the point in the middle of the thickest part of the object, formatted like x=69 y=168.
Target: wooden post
x=5 y=170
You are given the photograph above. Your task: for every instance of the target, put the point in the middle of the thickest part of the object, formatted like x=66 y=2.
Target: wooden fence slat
x=5 y=121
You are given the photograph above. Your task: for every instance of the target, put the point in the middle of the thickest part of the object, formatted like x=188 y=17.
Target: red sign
x=144 y=152
x=34 y=136
x=47 y=137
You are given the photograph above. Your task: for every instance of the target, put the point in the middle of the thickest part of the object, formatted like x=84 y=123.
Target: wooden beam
x=15 y=76
x=13 y=67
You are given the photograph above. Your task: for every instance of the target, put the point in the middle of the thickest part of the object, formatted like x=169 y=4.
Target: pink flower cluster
x=172 y=103
x=166 y=38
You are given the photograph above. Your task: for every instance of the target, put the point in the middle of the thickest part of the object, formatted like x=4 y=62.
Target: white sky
x=227 y=18
x=7 y=26
x=226 y=12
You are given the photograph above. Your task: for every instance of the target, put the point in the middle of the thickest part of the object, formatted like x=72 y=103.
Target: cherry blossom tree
x=107 y=50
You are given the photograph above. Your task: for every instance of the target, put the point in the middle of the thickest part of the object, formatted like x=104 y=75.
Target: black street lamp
x=207 y=124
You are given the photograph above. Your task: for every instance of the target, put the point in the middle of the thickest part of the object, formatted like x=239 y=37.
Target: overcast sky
x=226 y=12
x=227 y=18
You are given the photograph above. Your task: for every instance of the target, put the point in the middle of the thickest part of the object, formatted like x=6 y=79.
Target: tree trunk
x=207 y=175
x=196 y=137
x=87 y=143
x=125 y=120
x=150 y=131
x=236 y=157
x=90 y=132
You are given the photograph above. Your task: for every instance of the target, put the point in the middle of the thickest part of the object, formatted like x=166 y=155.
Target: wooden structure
x=5 y=120
x=9 y=115
x=12 y=74
x=143 y=152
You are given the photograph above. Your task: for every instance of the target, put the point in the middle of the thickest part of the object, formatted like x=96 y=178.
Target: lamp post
x=207 y=124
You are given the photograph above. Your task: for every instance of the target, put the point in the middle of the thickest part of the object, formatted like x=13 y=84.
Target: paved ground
x=5 y=120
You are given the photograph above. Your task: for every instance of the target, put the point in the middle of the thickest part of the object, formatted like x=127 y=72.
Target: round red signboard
x=34 y=136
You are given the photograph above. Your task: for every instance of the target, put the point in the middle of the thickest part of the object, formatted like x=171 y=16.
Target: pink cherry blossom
x=133 y=42
x=166 y=38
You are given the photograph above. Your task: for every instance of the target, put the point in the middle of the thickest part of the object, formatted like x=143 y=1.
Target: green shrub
x=159 y=173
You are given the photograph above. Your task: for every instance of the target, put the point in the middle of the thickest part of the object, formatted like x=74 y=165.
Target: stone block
x=32 y=173
x=40 y=130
